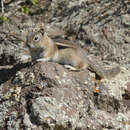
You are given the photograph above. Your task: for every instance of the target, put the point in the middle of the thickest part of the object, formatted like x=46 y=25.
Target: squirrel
x=43 y=47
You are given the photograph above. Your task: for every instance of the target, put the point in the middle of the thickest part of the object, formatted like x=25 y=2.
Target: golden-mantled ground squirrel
x=43 y=47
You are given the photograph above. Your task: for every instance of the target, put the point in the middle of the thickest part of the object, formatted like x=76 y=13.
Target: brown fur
x=68 y=54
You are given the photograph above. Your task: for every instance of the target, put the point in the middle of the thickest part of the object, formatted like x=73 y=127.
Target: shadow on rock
x=6 y=72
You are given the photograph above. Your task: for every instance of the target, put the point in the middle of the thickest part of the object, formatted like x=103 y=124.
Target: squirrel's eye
x=36 y=38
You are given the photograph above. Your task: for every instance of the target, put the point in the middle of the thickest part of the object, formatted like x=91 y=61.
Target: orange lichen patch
x=97 y=81
x=97 y=85
x=96 y=89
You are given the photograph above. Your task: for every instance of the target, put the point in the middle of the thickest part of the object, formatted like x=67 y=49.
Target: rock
x=12 y=52
x=126 y=20
x=57 y=98
x=102 y=26
x=27 y=122
x=45 y=95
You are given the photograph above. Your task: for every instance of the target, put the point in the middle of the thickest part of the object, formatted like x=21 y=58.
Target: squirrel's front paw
x=43 y=59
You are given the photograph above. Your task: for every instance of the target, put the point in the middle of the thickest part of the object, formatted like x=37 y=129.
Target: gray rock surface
x=47 y=96
x=104 y=24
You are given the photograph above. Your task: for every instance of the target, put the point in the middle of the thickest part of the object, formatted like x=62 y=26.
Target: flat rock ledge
x=47 y=96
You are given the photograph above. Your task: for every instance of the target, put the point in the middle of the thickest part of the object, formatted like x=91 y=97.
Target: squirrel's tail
x=96 y=66
x=111 y=72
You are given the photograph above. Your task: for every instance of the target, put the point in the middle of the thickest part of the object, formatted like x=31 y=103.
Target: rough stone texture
x=102 y=23
x=12 y=50
x=46 y=96
x=105 y=29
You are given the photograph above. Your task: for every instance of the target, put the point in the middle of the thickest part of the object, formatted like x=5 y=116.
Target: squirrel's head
x=34 y=40
x=37 y=40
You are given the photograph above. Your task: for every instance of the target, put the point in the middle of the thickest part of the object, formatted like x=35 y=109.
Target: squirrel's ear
x=42 y=31
x=48 y=39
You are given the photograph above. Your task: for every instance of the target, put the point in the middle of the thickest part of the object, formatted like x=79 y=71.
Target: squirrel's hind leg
x=71 y=68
